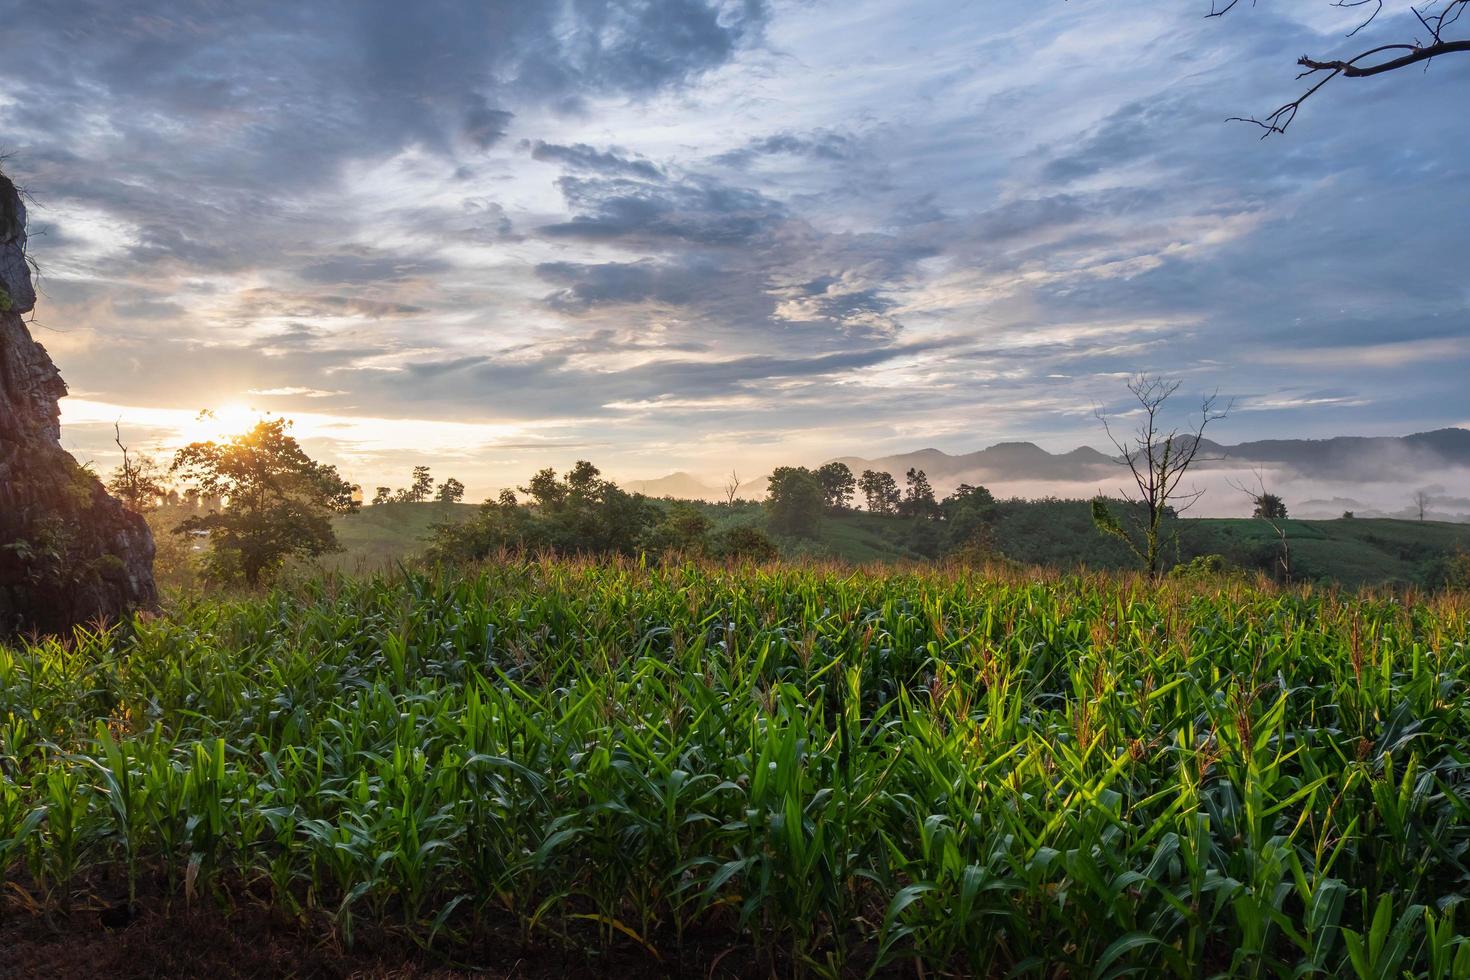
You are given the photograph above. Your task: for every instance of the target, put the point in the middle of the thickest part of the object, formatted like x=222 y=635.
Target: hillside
x=1056 y=533
x=376 y=537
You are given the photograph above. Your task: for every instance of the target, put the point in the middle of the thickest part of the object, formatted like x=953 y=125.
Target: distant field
x=1353 y=552
x=375 y=538
x=1357 y=551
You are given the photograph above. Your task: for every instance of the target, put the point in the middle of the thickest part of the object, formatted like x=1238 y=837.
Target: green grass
x=837 y=770
x=1354 y=552
x=378 y=537
x=1058 y=534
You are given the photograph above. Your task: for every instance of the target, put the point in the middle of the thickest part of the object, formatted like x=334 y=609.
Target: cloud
x=677 y=228
x=818 y=145
x=580 y=156
x=696 y=210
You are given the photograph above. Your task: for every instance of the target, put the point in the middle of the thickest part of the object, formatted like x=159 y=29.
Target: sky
x=695 y=234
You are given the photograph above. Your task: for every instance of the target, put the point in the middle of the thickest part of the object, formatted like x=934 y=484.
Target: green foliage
x=419 y=488
x=1107 y=522
x=918 y=497
x=578 y=514
x=838 y=485
x=969 y=516
x=795 y=500
x=1451 y=571
x=1268 y=506
x=5 y=301
x=880 y=492
x=683 y=529
x=279 y=501
x=451 y=491
x=744 y=543
x=844 y=771
x=139 y=482
x=1201 y=568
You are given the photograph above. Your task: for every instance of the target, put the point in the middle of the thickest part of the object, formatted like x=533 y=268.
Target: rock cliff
x=69 y=553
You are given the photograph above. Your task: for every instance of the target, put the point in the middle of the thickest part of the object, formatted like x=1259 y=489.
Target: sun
x=218 y=424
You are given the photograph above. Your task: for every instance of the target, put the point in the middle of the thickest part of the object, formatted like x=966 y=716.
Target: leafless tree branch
x=1435 y=17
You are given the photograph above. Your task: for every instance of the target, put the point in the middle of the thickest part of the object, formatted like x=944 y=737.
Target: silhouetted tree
x=280 y=500
x=139 y=482
x=382 y=495
x=918 y=498
x=1157 y=457
x=838 y=485
x=545 y=489
x=421 y=487
x=732 y=487
x=451 y=491
x=1422 y=500
x=880 y=491
x=795 y=500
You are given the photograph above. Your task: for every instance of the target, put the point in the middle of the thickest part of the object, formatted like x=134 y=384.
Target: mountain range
x=1338 y=461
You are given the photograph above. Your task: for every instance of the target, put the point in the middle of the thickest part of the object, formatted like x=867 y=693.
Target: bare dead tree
x=1422 y=499
x=732 y=486
x=1258 y=498
x=1157 y=456
x=139 y=483
x=1435 y=18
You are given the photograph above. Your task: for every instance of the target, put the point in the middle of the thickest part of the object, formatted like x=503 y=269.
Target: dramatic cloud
x=669 y=234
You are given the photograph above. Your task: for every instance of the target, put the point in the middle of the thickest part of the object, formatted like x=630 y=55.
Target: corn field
x=844 y=772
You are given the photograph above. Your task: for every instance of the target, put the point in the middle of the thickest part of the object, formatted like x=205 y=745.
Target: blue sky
x=697 y=233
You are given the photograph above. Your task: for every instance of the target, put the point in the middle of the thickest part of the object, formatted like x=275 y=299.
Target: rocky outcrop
x=69 y=553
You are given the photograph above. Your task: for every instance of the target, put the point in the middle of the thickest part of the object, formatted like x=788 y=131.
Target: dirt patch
x=242 y=936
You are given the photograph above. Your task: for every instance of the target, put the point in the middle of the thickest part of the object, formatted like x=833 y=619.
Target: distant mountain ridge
x=1344 y=458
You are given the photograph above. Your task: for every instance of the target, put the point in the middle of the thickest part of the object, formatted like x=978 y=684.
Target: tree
x=545 y=489
x=1422 y=500
x=584 y=481
x=969 y=516
x=139 y=482
x=838 y=485
x=918 y=498
x=682 y=529
x=451 y=491
x=1272 y=509
x=1268 y=506
x=421 y=487
x=744 y=544
x=732 y=487
x=382 y=495
x=795 y=500
x=880 y=491
x=280 y=501
x=1435 y=18
x=1157 y=457
x=579 y=514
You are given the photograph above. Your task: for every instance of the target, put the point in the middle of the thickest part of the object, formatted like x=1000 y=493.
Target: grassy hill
x=1058 y=533
x=1357 y=551
x=376 y=537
